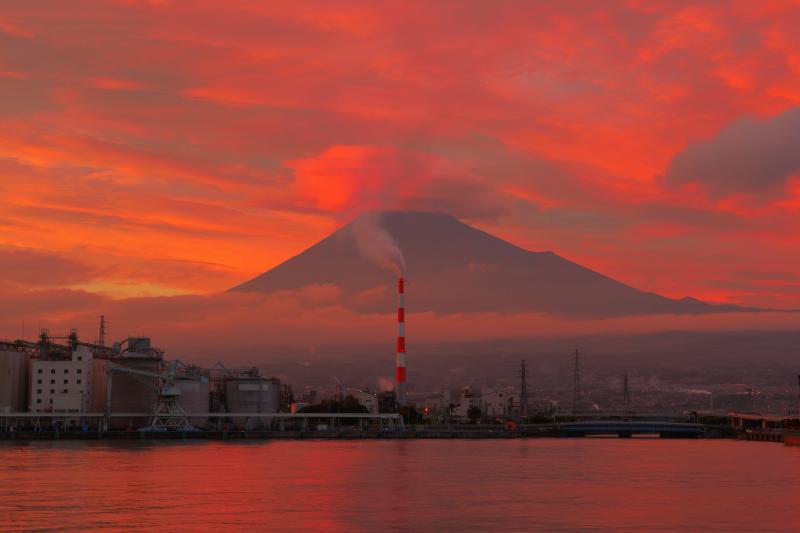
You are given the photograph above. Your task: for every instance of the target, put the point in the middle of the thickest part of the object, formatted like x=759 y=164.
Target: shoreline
x=32 y=436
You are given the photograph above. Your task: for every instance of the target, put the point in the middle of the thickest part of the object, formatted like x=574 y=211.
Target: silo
x=252 y=395
x=134 y=393
x=14 y=378
x=243 y=395
x=194 y=397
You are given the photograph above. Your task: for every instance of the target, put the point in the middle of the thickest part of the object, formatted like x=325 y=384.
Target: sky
x=157 y=149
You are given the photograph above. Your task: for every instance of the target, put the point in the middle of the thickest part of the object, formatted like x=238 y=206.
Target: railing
x=616 y=427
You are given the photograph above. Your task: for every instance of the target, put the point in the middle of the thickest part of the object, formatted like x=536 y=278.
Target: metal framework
x=576 y=381
x=384 y=420
x=626 y=394
x=523 y=386
x=168 y=415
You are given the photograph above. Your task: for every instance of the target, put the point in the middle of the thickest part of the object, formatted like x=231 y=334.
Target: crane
x=168 y=414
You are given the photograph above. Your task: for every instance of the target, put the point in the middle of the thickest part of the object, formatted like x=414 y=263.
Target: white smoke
x=385 y=383
x=376 y=244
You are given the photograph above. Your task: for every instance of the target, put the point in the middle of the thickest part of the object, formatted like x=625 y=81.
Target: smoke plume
x=376 y=244
x=385 y=383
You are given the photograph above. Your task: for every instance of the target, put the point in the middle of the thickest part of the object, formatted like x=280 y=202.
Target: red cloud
x=191 y=147
x=350 y=179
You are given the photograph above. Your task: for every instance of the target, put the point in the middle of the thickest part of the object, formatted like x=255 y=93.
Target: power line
x=626 y=395
x=523 y=386
x=576 y=375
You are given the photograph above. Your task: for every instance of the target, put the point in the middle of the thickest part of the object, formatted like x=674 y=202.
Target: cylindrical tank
x=194 y=397
x=14 y=381
x=134 y=393
x=252 y=395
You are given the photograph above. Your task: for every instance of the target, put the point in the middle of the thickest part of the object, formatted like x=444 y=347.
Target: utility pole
x=626 y=396
x=576 y=387
x=523 y=387
x=260 y=388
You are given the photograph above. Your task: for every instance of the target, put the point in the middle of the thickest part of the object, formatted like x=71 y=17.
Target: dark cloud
x=748 y=156
x=251 y=328
x=41 y=269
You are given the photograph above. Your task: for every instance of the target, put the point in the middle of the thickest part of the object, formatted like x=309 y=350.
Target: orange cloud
x=182 y=148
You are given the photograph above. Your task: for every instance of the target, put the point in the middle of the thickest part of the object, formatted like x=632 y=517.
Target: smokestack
x=400 y=376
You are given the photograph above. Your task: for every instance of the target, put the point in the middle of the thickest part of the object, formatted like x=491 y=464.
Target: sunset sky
x=161 y=148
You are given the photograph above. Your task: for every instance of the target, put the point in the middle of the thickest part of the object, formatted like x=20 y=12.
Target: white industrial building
x=496 y=402
x=71 y=385
x=435 y=403
x=466 y=400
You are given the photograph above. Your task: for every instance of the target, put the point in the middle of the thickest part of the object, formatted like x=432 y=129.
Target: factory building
x=128 y=382
x=243 y=390
x=466 y=400
x=14 y=367
x=195 y=396
x=252 y=395
x=135 y=393
x=68 y=385
x=387 y=402
x=496 y=402
x=365 y=398
x=435 y=403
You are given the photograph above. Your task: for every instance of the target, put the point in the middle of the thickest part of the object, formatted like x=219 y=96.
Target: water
x=416 y=485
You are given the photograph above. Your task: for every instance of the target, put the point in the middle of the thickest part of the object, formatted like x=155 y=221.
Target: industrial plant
x=62 y=383
x=61 y=386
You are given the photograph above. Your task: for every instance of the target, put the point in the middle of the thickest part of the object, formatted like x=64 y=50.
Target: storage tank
x=14 y=379
x=134 y=393
x=243 y=395
x=194 y=397
x=252 y=395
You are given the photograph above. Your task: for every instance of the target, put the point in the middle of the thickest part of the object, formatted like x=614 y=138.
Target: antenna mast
x=523 y=387
x=626 y=395
x=576 y=387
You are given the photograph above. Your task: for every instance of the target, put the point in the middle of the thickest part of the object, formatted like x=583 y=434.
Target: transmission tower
x=626 y=395
x=576 y=386
x=523 y=387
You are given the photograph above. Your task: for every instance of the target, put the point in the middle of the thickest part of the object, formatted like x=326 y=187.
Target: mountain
x=452 y=267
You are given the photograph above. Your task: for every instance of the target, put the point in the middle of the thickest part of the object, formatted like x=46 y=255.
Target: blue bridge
x=628 y=429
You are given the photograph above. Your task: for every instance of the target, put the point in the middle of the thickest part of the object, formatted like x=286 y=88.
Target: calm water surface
x=499 y=485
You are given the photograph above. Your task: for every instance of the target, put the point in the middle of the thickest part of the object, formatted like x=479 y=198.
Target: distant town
x=61 y=383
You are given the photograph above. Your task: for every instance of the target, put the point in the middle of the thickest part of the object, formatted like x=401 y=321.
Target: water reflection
x=514 y=485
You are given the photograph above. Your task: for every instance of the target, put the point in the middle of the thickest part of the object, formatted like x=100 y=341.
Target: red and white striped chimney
x=400 y=376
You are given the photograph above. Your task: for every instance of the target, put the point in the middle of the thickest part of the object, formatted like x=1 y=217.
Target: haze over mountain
x=452 y=267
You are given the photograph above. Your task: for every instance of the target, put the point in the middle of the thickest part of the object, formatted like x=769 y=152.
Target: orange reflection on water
x=545 y=484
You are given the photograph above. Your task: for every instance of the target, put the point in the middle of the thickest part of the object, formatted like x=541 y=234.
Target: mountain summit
x=452 y=268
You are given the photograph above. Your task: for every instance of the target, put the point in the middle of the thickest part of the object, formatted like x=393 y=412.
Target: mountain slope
x=452 y=267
